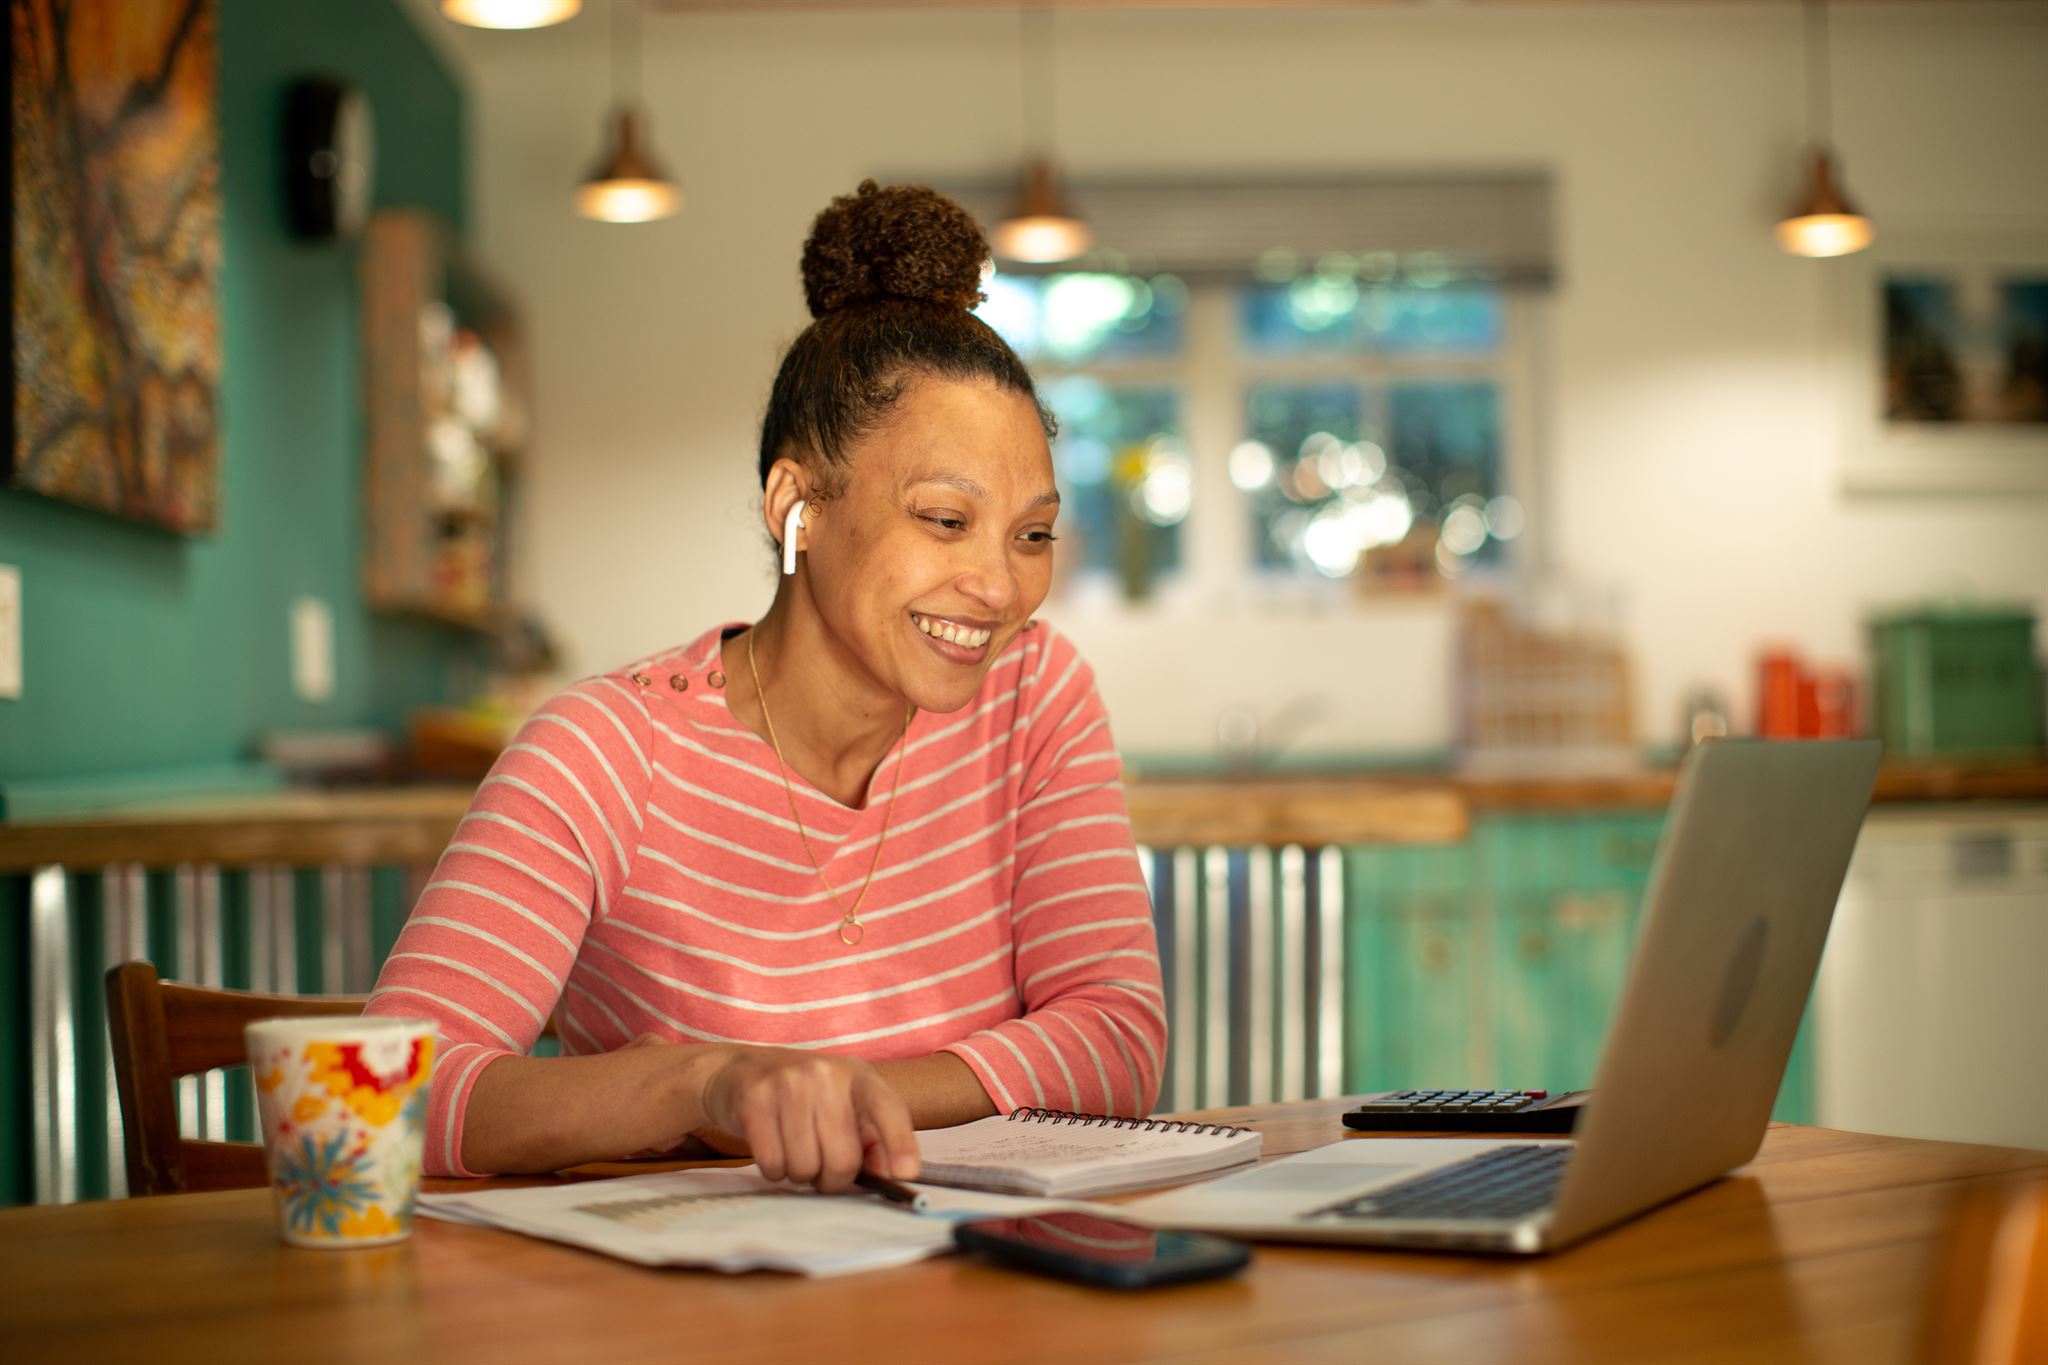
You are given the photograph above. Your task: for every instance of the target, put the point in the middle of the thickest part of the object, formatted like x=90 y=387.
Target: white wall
x=1692 y=444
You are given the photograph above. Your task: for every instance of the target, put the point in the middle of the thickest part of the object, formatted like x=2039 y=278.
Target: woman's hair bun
x=902 y=242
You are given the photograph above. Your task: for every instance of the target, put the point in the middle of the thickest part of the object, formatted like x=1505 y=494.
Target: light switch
x=312 y=650
x=10 y=631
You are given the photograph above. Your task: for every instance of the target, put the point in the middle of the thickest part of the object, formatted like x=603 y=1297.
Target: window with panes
x=1356 y=420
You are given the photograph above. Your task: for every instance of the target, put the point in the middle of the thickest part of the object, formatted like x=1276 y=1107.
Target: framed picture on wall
x=1941 y=357
x=114 y=289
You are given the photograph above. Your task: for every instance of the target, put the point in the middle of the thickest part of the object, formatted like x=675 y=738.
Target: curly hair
x=891 y=276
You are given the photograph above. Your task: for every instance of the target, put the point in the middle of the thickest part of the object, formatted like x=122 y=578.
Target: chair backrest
x=160 y=1031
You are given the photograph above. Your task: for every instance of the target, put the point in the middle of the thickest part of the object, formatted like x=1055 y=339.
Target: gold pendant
x=859 y=931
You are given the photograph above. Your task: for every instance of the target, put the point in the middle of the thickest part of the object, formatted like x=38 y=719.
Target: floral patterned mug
x=344 y=1108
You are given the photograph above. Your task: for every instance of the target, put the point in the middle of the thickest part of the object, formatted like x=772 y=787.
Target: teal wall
x=145 y=651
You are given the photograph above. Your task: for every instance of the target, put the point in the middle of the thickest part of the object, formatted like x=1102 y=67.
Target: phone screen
x=1102 y=1250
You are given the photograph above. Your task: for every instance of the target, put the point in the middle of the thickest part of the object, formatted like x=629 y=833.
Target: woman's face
x=939 y=548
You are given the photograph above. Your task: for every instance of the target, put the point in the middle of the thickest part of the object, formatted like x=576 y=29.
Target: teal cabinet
x=1499 y=962
x=1564 y=899
x=1417 y=968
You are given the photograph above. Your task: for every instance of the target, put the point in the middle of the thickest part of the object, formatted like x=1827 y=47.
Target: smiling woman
x=798 y=887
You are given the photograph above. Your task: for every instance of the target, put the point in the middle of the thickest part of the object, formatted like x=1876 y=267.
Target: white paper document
x=728 y=1219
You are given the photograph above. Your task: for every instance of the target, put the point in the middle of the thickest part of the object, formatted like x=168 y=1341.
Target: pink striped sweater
x=630 y=866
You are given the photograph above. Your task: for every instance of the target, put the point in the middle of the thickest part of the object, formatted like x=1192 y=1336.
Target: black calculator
x=1468 y=1111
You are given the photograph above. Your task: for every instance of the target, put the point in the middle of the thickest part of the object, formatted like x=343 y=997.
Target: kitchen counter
x=1404 y=807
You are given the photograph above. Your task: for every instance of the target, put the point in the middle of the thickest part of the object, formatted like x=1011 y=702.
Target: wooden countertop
x=1829 y=1245
x=1898 y=782
x=413 y=825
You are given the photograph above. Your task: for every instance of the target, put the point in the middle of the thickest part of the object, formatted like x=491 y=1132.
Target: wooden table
x=1822 y=1250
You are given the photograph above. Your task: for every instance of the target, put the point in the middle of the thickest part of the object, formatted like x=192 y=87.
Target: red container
x=1777 y=694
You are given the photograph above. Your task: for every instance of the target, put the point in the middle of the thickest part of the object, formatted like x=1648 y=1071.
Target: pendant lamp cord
x=625 y=25
x=1817 y=94
x=1035 y=80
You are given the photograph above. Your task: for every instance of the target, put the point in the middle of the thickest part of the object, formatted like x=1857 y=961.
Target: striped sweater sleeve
x=1093 y=1028
x=546 y=844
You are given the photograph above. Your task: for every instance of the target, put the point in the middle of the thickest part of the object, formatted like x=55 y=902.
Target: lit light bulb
x=510 y=13
x=627 y=201
x=1825 y=234
x=1040 y=241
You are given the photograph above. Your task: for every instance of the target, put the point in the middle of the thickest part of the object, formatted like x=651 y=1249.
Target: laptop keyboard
x=1508 y=1182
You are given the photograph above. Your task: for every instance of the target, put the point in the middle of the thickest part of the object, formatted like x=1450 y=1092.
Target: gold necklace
x=849 y=918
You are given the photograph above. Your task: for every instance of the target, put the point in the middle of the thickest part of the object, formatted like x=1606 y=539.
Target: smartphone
x=1101 y=1251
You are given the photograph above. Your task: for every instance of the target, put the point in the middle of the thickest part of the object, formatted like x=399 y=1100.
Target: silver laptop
x=1740 y=897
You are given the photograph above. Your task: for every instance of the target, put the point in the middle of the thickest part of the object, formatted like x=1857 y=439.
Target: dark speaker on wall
x=329 y=158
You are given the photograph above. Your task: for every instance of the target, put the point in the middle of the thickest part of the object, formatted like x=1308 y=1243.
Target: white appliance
x=1931 y=1012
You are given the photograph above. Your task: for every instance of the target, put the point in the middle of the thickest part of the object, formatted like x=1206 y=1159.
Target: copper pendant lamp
x=1823 y=222
x=627 y=185
x=1042 y=228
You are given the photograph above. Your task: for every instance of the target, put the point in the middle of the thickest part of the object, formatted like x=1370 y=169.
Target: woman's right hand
x=811 y=1117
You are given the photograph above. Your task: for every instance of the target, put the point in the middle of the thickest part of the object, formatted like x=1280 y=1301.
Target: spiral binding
x=1031 y=1114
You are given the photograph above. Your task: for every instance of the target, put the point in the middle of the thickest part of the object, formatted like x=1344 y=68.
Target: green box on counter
x=1955 y=680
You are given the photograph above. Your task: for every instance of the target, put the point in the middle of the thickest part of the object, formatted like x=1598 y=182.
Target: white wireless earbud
x=790 y=525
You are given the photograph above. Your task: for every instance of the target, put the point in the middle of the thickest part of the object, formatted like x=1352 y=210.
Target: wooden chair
x=160 y=1031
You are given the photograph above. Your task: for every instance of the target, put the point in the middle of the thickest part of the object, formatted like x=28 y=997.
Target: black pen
x=893 y=1191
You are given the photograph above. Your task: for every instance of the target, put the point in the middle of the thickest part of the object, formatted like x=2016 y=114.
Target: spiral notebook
x=1060 y=1155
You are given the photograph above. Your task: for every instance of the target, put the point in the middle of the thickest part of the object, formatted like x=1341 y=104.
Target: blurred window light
x=1251 y=466
x=1081 y=310
x=1304 y=420
x=1165 y=488
x=1386 y=518
x=1011 y=307
x=1449 y=562
x=1505 y=517
x=1347 y=311
x=1372 y=463
x=1463 y=530
x=1084 y=461
x=1320 y=302
x=1331 y=543
x=1126 y=483
x=1080 y=317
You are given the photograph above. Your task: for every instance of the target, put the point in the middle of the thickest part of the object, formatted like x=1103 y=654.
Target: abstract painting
x=114 y=280
x=1968 y=344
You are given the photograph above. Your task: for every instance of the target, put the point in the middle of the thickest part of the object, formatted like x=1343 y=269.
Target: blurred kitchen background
x=1454 y=431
